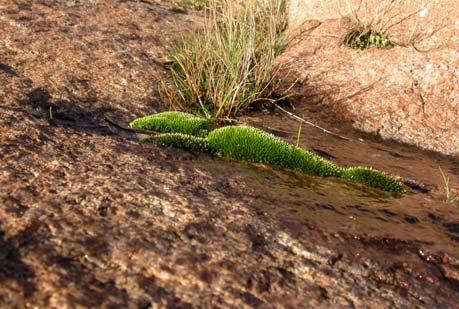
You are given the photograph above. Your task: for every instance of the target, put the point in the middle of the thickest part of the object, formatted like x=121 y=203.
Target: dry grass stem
x=450 y=197
x=373 y=23
x=219 y=70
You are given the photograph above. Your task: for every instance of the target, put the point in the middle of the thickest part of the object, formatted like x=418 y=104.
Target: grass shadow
x=13 y=268
x=81 y=114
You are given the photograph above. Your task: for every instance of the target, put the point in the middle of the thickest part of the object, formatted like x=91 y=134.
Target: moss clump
x=366 y=38
x=172 y=122
x=373 y=178
x=179 y=140
x=253 y=145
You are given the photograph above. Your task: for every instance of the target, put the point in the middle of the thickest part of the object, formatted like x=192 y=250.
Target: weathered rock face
x=410 y=94
x=90 y=219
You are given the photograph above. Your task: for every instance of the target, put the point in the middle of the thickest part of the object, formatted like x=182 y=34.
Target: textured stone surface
x=406 y=93
x=89 y=218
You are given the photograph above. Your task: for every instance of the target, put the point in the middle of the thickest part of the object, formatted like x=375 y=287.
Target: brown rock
x=450 y=272
x=92 y=219
x=406 y=93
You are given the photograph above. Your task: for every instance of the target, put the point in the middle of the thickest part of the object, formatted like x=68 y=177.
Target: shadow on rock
x=7 y=70
x=77 y=113
x=13 y=269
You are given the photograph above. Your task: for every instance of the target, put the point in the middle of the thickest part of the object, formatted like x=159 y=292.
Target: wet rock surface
x=89 y=218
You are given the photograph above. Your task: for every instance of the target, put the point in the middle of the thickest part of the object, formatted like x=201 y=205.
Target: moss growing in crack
x=364 y=38
x=253 y=145
x=373 y=178
x=172 y=122
x=179 y=140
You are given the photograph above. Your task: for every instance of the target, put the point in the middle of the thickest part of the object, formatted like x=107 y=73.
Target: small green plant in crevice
x=51 y=115
x=450 y=197
x=374 y=23
x=298 y=134
x=362 y=38
x=254 y=145
x=172 y=122
x=219 y=70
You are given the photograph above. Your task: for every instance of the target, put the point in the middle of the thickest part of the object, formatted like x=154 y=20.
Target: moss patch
x=373 y=178
x=366 y=38
x=172 y=122
x=179 y=140
x=254 y=145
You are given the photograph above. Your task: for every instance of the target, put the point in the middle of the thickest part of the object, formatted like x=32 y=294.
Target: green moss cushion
x=373 y=178
x=172 y=122
x=254 y=145
x=179 y=140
